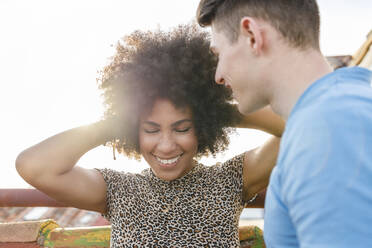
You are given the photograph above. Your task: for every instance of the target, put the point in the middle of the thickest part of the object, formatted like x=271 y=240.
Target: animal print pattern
x=201 y=209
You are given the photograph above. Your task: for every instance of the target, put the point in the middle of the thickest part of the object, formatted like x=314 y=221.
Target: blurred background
x=50 y=52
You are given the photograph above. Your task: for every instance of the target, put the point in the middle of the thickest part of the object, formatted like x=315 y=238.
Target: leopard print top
x=201 y=209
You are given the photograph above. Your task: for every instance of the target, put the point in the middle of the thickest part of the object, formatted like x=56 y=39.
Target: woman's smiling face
x=167 y=140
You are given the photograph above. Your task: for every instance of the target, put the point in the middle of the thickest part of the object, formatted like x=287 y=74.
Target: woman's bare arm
x=259 y=162
x=265 y=120
x=50 y=167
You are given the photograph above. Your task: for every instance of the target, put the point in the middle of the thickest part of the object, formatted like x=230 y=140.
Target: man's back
x=320 y=192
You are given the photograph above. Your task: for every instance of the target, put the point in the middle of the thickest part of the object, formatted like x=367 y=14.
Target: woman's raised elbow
x=24 y=166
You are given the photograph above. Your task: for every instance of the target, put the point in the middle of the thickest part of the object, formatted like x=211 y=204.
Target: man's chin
x=245 y=109
x=248 y=108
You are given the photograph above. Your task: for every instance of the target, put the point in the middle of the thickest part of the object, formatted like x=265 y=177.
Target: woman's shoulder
x=115 y=176
x=235 y=162
x=230 y=169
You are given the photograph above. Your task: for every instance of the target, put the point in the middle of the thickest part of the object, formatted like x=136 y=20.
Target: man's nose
x=218 y=77
x=220 y=80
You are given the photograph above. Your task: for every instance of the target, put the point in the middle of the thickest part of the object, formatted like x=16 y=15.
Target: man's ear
x=250 y=29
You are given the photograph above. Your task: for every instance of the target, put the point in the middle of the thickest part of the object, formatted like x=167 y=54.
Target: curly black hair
x=174 y=65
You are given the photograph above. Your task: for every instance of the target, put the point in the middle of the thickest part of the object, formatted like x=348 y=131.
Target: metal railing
x=36 y=198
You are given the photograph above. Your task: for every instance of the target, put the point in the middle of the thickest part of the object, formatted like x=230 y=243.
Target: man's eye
x=183 y=130
x=151 y=131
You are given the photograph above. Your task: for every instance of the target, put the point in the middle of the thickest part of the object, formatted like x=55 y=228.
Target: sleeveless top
x=200 y=209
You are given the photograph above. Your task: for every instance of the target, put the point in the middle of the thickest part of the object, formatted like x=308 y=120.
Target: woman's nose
x=166 y=144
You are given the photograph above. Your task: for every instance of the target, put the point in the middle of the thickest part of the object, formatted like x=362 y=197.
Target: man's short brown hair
x=296 y=20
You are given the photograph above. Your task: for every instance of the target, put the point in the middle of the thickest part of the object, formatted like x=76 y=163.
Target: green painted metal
x=53 y=236
x=251 y=236
x=93 y=237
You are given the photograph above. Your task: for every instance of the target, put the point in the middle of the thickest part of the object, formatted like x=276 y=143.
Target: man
x=320 y=192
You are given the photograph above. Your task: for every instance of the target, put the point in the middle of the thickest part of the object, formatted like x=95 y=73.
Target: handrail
x=27 y=198
x=36 y=198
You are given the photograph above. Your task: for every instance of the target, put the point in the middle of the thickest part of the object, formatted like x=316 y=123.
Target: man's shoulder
x=340 y=101
x=337 y=91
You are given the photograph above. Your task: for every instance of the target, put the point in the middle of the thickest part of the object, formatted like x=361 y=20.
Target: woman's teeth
x=168 y=161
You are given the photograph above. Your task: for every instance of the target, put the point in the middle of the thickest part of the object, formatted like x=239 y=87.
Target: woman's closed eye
x=151 y=130
x=182 y=130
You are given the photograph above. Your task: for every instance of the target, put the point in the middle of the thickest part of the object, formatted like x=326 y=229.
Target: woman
x=162 y=104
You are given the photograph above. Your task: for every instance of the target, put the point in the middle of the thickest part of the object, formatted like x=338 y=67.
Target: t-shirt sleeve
x=230 y=174
x=327 y=180
x=115 y=183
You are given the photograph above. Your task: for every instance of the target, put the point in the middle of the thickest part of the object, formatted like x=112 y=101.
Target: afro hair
x=175 y=65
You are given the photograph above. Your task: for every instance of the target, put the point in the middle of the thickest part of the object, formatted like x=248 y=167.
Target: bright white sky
x=50 y=52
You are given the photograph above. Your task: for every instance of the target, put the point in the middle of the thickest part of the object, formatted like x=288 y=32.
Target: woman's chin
x=167 y=176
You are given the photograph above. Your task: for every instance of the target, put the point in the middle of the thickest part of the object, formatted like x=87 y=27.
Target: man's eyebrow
x=180 y=122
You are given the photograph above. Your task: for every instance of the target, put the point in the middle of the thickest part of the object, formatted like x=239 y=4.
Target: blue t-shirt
x=320 y=192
